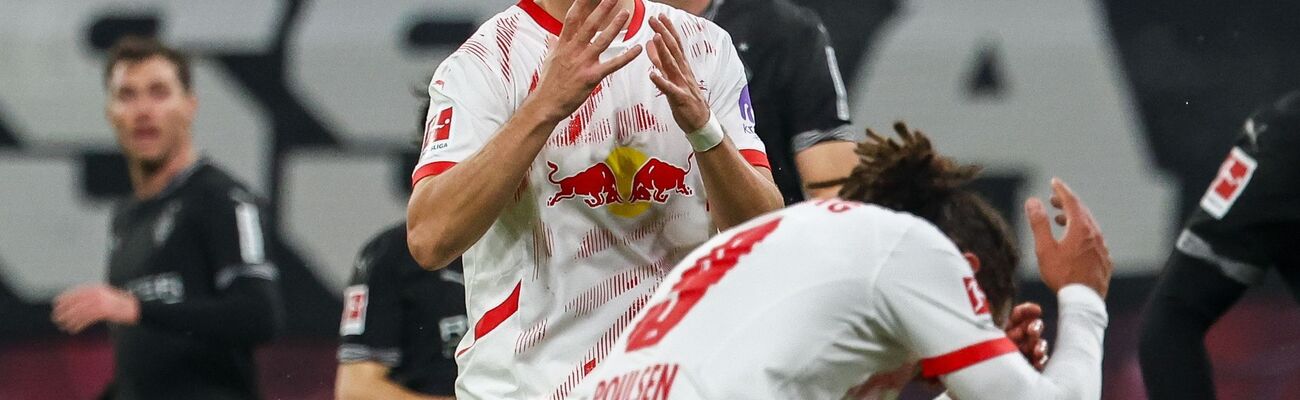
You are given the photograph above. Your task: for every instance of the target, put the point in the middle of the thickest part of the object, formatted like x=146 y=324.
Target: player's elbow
x=432 y=248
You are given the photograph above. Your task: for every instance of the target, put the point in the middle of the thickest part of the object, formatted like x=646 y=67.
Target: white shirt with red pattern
x=807 y=303
x=613 y=200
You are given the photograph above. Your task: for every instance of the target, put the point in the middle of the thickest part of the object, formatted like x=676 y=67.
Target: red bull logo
x=657 y=179
x=627 y=182
x=597 y=183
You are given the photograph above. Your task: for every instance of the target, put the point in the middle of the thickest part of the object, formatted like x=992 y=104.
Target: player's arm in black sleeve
x=370 y=328
x=818 y=110
x=247 y=307
x=1247 y=222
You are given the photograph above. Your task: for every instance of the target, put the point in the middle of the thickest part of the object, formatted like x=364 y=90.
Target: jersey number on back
x=662 y=317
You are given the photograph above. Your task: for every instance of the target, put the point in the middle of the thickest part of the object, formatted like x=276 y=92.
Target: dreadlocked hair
x=908 y=175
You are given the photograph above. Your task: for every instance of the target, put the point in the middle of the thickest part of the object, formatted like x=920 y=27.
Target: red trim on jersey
x=430 y=169
x=638 y=12
x=965 y=357
x=494 y=317
x=756 y=158
x=554 y=26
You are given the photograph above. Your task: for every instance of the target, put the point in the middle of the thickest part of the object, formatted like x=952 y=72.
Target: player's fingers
x=1069 y=202
x=599 y=18
x=1041 y=364
x=616 y=63
x=574 y=18
x=1017 y=334
x=667 y=62
x=675 y=45
x=609 y=33
x=1056 y=202
x=667 y=87
x=1025 y=313
x=1038 y=223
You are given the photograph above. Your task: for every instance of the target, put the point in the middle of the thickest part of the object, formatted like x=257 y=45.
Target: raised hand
x=674 y=77
x=1080 y=256
x=573 y=68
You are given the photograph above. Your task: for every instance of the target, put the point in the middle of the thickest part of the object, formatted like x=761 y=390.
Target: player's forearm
x=248 y=312
x=448 y=213
x=825 y=161
x=356 y=382
x=1074 y=371
x=737 y=191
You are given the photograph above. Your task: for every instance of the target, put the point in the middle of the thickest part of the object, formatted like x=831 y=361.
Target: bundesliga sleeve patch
x=355 y=299
x=978 y=302
x=1233 y=176
x=438 y=129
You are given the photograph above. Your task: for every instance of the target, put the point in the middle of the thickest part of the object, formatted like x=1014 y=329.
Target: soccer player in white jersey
x=812 y=301
x=572 y=170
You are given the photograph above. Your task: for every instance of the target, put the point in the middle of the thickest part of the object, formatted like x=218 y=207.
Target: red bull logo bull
x=597 y=183
x=627 y=182
x=655 y=180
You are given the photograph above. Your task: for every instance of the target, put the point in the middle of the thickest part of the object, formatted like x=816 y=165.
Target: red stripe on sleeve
x=756 y=158
x=494 y=317
x=965 y=357
x=430 y=169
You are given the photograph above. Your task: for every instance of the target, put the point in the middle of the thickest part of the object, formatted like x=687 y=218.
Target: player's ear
x=973 y=260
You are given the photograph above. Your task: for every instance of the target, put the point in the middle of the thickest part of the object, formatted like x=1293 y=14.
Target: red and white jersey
x=613 y=200
x=803 y=303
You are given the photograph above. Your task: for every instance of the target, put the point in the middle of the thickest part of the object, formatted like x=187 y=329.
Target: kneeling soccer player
x=811 y=301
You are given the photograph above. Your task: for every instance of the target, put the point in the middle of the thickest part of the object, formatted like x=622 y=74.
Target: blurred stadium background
x=310 y=102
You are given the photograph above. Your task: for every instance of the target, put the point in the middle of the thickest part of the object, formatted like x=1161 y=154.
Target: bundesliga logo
x=627 y=181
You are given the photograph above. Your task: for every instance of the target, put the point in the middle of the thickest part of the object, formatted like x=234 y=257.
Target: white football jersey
x=804 y=303
x=608 y=206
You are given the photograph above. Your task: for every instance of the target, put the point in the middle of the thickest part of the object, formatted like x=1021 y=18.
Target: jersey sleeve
x=810 y=81
x=729 y=98
x=247 y=306
x=1247 y=219
x=927 y=294
x=370 y=328
x=467 y=105
x=234 y=234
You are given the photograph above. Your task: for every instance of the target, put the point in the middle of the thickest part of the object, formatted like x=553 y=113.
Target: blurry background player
x=190 y=289
x=880 y=289
x=799 y=98
x=572 y=170
x=401 y=323
x=1248 y=222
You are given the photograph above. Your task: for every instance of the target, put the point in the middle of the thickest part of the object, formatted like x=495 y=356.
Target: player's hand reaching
x=573 y=68
x=1025 y=329
x=81 y=307
x=1080 y=256
x=673 y=76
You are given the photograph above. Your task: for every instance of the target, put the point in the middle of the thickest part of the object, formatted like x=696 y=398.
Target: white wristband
x=707 y=137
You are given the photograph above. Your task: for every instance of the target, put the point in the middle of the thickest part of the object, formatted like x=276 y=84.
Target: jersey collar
x=554 y=26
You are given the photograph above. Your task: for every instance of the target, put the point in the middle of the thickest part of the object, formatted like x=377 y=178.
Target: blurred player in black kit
x=1248 y=222
x=190 y=287
x=799 y=98
x=400 y=323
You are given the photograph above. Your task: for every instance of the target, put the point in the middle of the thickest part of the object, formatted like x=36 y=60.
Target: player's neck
x=558 y=8
x=148 y=182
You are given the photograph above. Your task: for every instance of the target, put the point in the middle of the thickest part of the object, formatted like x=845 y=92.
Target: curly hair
x=909 y=176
